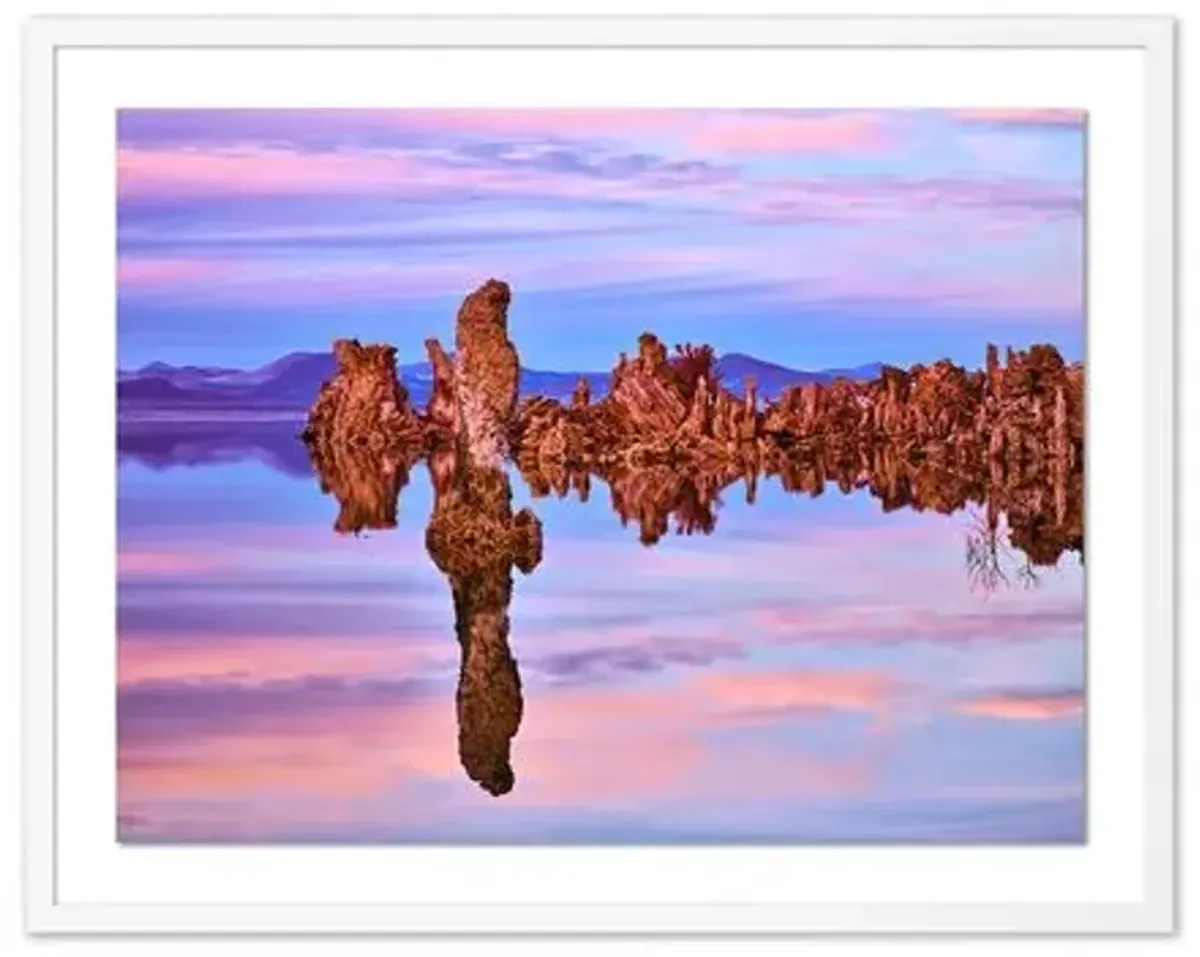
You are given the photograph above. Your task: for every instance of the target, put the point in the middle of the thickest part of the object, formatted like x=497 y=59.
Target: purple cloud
x=920 y=214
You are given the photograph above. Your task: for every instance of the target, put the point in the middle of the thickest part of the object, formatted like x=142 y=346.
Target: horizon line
x=719 y=357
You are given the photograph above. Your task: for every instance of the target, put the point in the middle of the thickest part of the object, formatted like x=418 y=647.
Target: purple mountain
x=772 y=379
x=292 y=381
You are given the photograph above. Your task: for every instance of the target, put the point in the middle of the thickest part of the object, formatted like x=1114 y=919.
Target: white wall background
x=16 y=10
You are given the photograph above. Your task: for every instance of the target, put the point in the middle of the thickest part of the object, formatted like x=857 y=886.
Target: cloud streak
x=968 y=220
x=1026 y=706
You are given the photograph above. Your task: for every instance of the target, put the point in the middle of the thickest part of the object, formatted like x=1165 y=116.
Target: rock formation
x=581 y=398
x=362 y=435
x=645 y=395
x=441 y=415
x=931 y=437
x=473 y=536
x=364 y=403
x=487 y=372
x=671 y=410
x=668 y=440
x=366 y=483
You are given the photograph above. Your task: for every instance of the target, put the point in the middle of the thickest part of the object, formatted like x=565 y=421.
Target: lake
x=814 y=669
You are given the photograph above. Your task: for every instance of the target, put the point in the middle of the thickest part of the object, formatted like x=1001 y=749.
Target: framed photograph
x=599 y=476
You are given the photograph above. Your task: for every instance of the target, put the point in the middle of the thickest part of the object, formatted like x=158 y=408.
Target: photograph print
x=600 y=476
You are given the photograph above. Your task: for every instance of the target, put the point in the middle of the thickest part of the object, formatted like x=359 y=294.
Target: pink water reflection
x=729 y=694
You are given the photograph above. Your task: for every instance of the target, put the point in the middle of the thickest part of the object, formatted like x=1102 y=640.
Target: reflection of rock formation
x=651 y=496
x=1042 y=507
x=475 y=539
x=366 y=482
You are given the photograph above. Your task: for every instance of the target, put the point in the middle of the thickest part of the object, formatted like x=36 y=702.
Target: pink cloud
x=760 y=692
x=167 y=272
x=255 y=764
x=576 y=746
x=656 y=742
x=255 y=170
x=794 y=269
x=1025 y=707
x=266 y=170
x=311 y=758
x=543 y=123
x=153 y=564
x=732 y=132
x=613 y=770
x=579 y=747
x=247 y=661
x=750 y=134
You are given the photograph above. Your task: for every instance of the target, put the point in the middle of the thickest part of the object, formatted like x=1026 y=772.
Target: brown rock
x=442 y=412
x=582 y=396
x=667 y=438
x=651 y=495
x=364 y=402
x=645 y=394
x=363 y=435
x=365 y=481
x=696 y=425
x=487 y=372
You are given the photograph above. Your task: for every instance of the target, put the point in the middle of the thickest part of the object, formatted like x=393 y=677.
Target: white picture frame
x=1145 y=901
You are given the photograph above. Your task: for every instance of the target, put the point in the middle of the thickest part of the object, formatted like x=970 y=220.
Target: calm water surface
x=813 y=671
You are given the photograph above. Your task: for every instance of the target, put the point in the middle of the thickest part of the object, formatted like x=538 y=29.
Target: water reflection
x=475 y=540
x=173 y=443
x=366 y=481
x=1037 y=511
x=1022 y=520
x=814 y=669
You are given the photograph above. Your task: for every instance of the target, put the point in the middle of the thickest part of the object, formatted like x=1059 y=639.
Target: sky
x=812 y=238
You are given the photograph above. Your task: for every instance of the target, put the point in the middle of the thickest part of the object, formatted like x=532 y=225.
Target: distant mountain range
x=292 y=382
